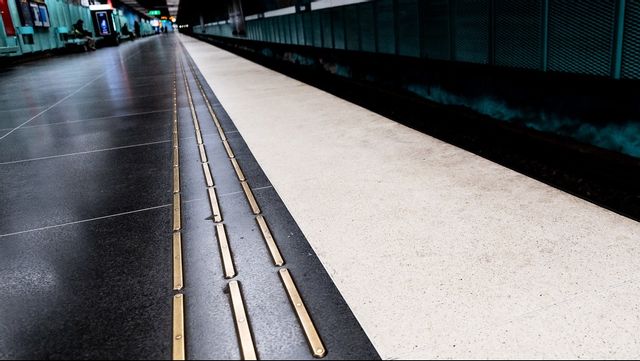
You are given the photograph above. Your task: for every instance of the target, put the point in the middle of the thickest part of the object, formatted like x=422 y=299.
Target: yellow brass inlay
x=207 y=174
x=176 y=156
x=227 y=147
x=252 y=200
x=238 y=170
x=227 y=259
x=223 y=136
x=177 y=221
x=199 y=137
x=242 y=322
x=203 y=153
x=271 y=243
x=178 y=328
x=178 y=281
x=317 y=348
x=176 y=179
x=215 y=207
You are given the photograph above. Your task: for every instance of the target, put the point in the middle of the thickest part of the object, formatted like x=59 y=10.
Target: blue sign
x=103 y=23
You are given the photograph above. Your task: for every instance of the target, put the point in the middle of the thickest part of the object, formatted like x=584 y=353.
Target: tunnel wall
x=590 y=37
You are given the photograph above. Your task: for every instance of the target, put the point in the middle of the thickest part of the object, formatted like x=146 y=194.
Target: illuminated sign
x=154 y=13
x=103 y=23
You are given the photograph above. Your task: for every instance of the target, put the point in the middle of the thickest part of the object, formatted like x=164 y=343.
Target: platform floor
x=438 y=252
x=401 y=246
x=104 y=188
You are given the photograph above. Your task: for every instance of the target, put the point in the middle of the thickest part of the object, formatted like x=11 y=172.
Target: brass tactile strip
x=178 y=337
x=203 y=153
x=227 y=147
x=252 y=200
x=238 y=170
x=176 y=156
x=242 y=323
x=215 y=207
x=225 y=251
x=207 y=174
x=271 y=243
x=178 y=328
x=176 y=179
x=317 y=347
x=178 y=281
x=177 y=221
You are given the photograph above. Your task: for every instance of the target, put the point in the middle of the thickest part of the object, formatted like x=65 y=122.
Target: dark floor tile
x=10 y=119
x=93 y=290
x=66 y=138
x=67 y=189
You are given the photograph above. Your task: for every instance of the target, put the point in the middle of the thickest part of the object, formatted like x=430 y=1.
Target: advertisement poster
x=103 y=23
x=35 y=15
x=44 y=15
x=24 y=9
x=6 y=18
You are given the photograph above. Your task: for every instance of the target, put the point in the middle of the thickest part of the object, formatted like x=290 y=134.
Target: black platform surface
x=86 y=219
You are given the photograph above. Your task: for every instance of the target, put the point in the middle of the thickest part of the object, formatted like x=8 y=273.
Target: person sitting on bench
x=78 y=31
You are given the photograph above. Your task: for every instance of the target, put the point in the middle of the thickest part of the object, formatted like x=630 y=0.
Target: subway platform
x=168 y=199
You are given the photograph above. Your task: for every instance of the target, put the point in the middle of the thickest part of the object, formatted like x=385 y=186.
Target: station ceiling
x=166 y=7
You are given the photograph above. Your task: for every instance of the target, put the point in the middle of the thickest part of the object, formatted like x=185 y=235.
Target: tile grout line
x=91 y=119
x=87 y=152
x=62 y=100
x=86 y=220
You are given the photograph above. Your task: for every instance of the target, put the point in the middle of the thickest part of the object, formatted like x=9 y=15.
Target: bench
x=6 y=50
x=10 y=47
x=68 y=40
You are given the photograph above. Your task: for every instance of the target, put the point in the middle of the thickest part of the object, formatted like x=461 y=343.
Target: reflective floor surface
x=86 y=219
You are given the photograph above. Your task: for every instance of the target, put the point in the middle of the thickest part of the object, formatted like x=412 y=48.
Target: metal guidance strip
x=207 y=174
x=203 y=153
x=317 y=347
x=227 y=147
x=178 y=280
x=242 y=322
x=177 y=217
x=225 y=251
x=178 y=328
x=250 y=197
x=215 y=207
x=236 y=167
x=271 y=242
x=176 y=179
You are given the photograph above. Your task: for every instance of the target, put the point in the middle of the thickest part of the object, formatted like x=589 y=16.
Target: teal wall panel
x=307 y=23
x=339 y=35
x=581 y=35
x=408 y=18
x=366 y=17
x=327 y=28
x=317 y=29
x=352 y=27
x=631 y=42
x=471 y=26
x=436 y=22
x=385 y=26
x=519 y=33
